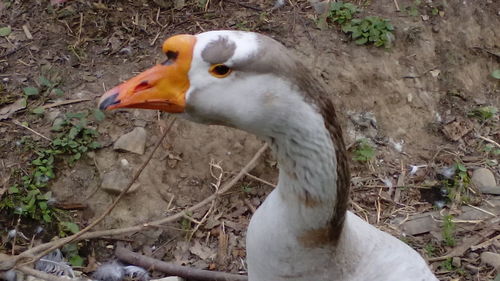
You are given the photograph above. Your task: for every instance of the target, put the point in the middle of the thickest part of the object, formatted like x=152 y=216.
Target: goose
x=303 y=230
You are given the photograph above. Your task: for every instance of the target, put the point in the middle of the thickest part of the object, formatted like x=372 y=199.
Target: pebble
x=492 y=259
x=118 y=178
x=485 y=181
x=134 y=141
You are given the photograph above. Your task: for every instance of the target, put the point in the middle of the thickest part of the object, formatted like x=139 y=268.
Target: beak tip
x=108 y=101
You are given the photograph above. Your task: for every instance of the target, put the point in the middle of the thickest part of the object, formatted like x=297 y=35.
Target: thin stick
x=482 y=210
x=7 y=262
x=397 y=5
x=41 y=275
x=250 y=205
x=173 y=269
x=111 y=207
x=259 y=179
x=489 y=140
x=31 y=130
x=64 y=102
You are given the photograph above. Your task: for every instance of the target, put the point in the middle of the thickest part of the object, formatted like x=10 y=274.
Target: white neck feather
x=307 y=167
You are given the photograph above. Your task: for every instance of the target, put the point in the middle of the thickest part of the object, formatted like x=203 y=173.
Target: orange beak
x=161 y=87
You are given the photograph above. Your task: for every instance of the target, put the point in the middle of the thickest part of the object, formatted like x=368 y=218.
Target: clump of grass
x=484 y=113
x=368 y=30
x=29 y=196
x=364 y=151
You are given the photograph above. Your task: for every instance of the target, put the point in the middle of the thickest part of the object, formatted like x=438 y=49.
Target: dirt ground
x=402 y=99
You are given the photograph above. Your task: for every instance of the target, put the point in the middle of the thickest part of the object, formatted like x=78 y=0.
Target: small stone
x=435 y=29
x=485 y=181
x=118 y=178
x=134 y=142
x=456 y=262
x=492 y=259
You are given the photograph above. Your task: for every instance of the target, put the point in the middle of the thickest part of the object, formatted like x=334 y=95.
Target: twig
x=490 y=141
x=250 y=205
x=31 y=130
x=7 y=262
x=259 y=179
x=397 y=5
x=173 y=269
x=27 y=32
x=61 y=242
x=482 y=210
x=40 y=275
x=64 y=102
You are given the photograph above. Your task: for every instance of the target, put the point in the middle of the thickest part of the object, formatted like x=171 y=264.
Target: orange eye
x=220 y=70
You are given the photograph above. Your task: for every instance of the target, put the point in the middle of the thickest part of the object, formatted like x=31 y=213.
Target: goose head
x=233 y=78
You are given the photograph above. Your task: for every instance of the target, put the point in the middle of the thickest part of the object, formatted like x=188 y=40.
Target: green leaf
x=99 y=115
x=460 y=167
x=78 y=115
x=47 y=218
x=38 y=110
x=5 y=31
x=71 y=226
x=496 y=74
x=76 y=261
x=44 y=81
x=361 y=41
x=58 y=92
x=13 y=189
x=30 y=91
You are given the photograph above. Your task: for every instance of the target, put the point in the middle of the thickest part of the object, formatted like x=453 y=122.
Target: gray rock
x=492 y=259
x=420 y=224
x=456 y=262
x=134 y=142
x=118 y=178
x=485 y=181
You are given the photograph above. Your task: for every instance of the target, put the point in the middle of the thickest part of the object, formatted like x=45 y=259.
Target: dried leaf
x=7 y=111
x=201 y=251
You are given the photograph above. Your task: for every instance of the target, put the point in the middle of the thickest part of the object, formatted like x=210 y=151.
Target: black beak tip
x=109 y=101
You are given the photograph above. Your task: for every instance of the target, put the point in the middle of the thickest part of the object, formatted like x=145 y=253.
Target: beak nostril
x=109 y=101
x=144 y=85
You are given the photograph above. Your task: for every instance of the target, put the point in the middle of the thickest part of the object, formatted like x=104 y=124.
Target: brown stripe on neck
x=314 y=93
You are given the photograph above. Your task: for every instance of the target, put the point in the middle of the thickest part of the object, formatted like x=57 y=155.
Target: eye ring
x=220 y=70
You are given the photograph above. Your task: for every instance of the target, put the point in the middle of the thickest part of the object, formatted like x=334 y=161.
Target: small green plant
x=364 y=151
x=43 y=89
x=342 y=13
x=371 y=29
x=247 y=188
x=449 y=231
x=484 y=113
x=430 y=250
x=448 y=264
x=491 y=149
x=418 y=7
x=28 y=197
x=457 y=186
x=71 y=251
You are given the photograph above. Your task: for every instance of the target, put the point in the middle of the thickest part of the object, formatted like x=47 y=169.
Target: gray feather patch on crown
x=218 y=51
